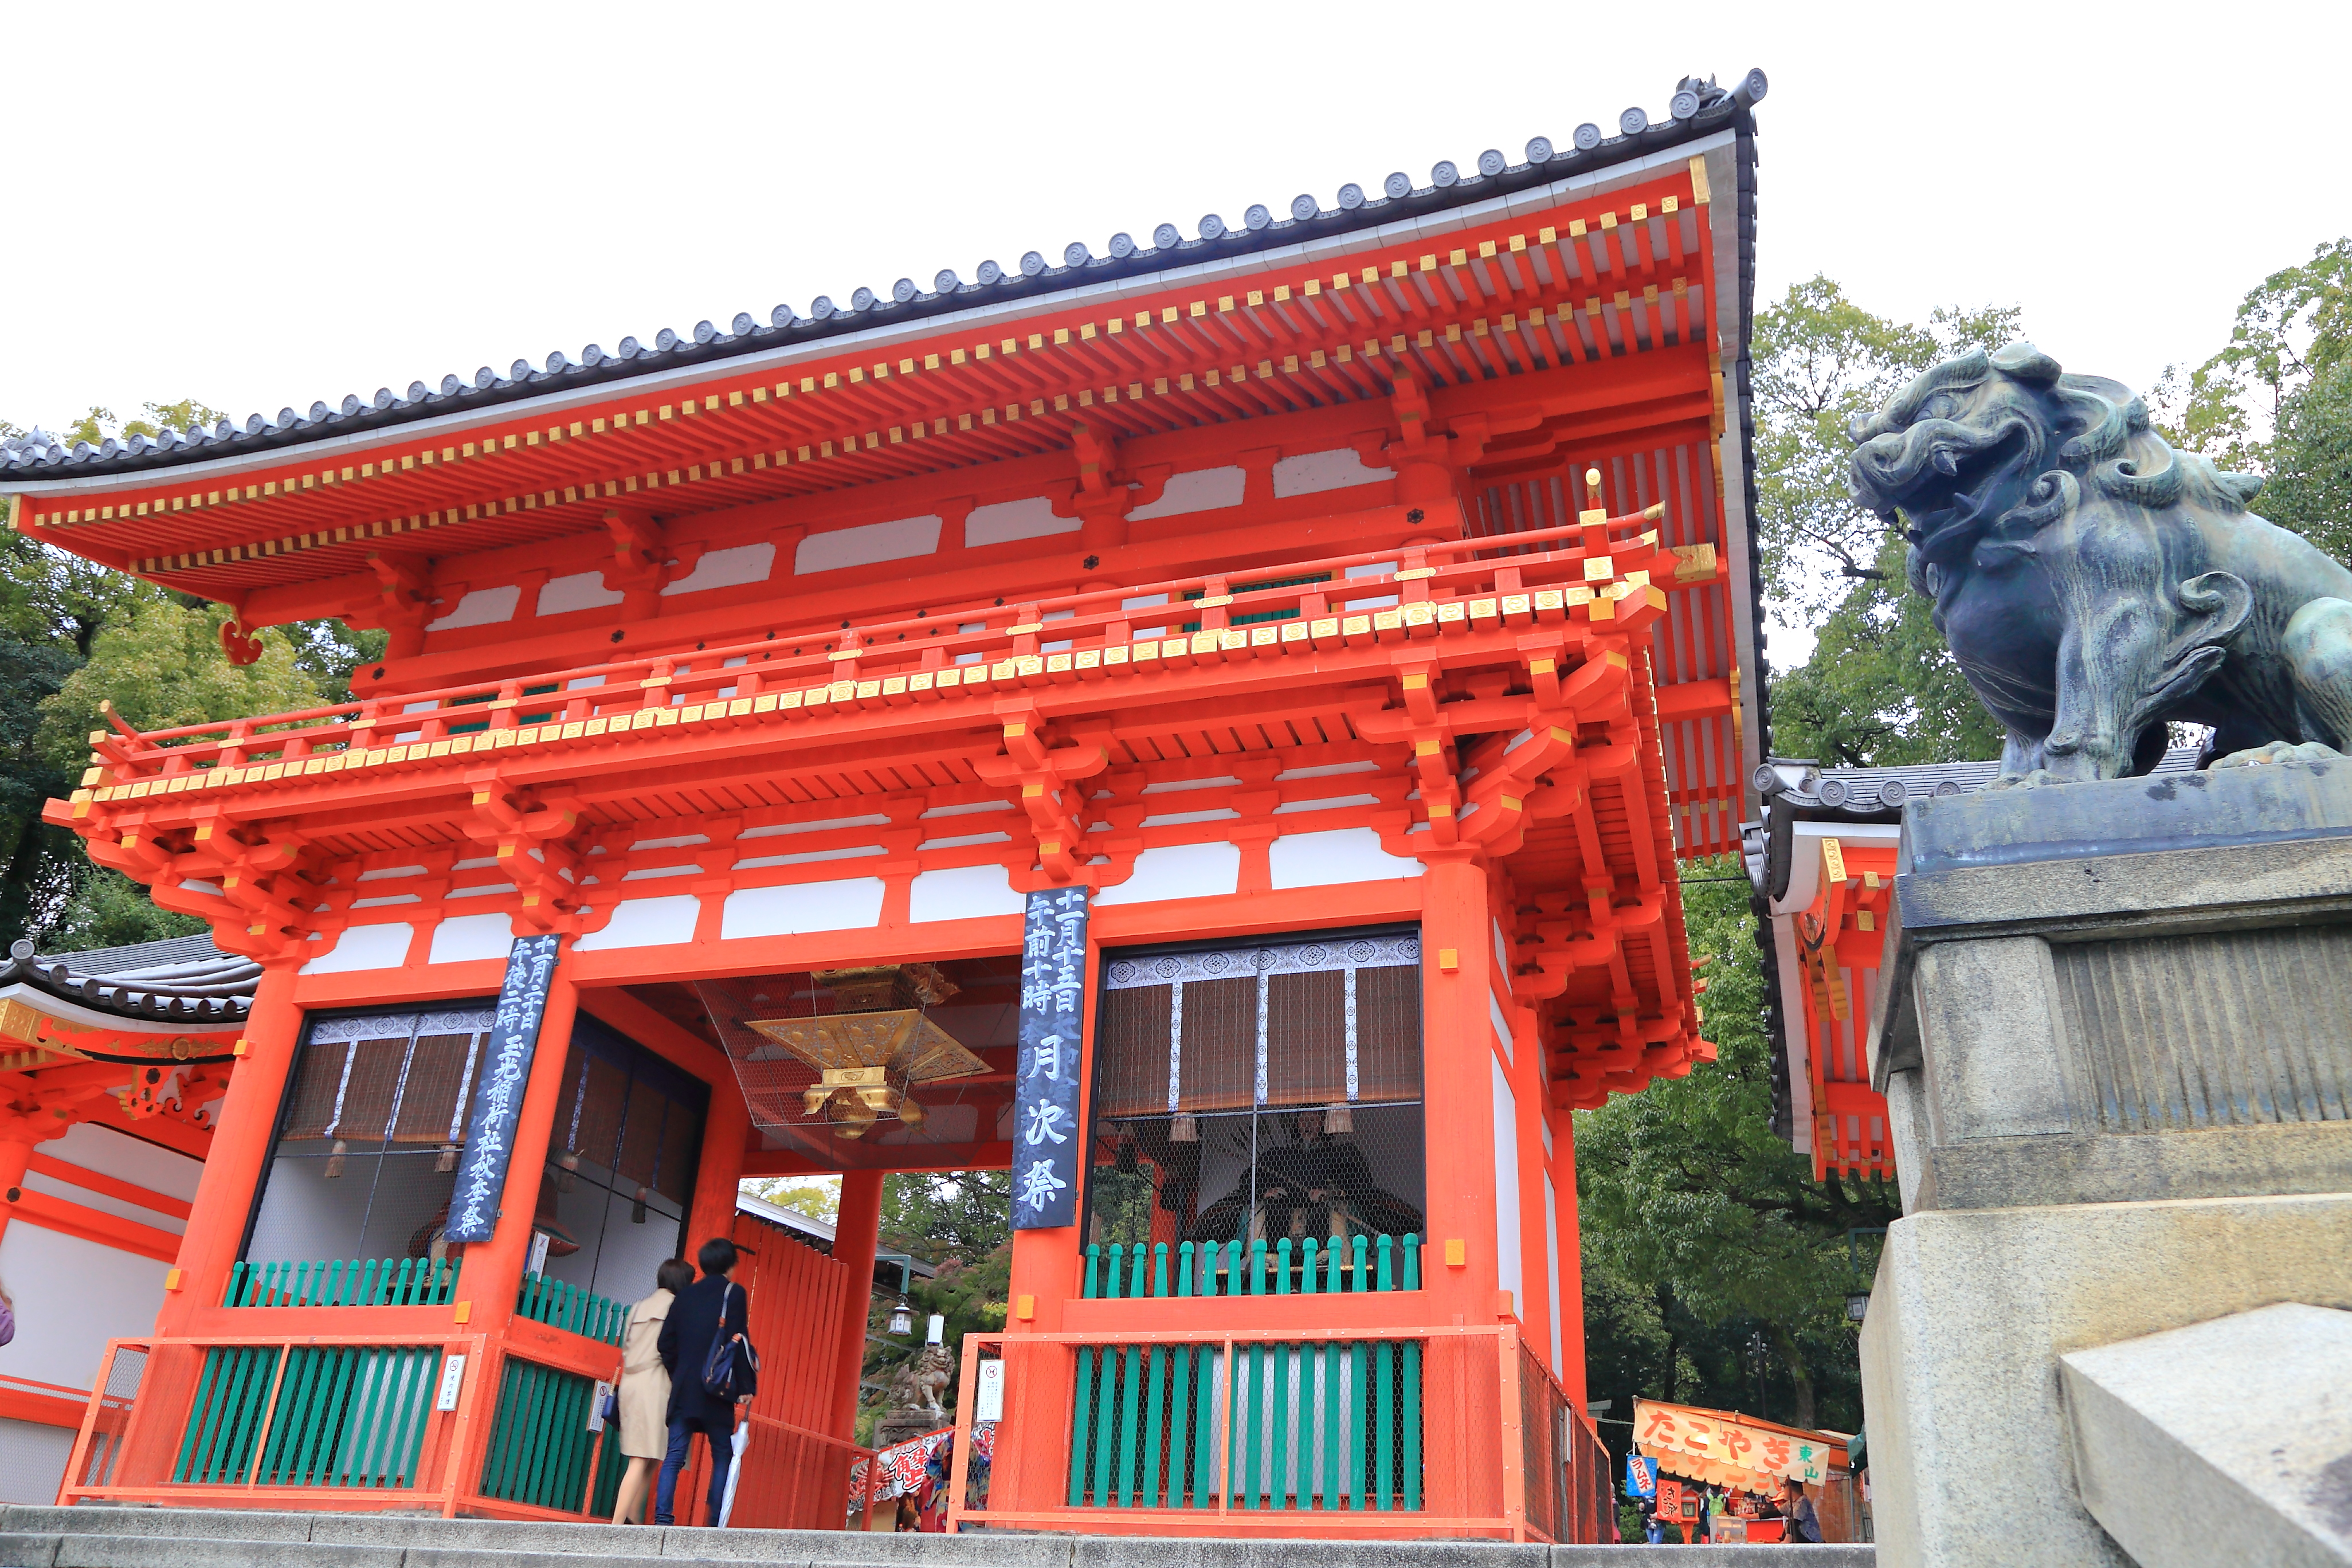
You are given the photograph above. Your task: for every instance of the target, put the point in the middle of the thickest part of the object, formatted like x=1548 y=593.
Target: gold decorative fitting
x=871 y=1040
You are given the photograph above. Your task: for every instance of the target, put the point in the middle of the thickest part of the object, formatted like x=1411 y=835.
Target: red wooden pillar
x=855 y=1235
x=1458 y=1087
x=1462 y=1378
x=16 y=1156
x=726 y=1130
x=233 y=1168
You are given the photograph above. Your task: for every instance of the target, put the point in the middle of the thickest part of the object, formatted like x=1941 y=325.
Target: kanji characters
x=1038 y=1184
x=1042 y=1121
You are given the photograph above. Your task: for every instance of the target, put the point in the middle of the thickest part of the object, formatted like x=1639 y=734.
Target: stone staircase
x=204 y=1538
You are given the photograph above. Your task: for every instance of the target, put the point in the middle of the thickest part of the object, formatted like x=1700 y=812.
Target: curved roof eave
x=1708 y=111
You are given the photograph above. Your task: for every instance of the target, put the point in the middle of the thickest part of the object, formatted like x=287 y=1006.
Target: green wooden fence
x=562 y=1306
x=339 y=1282
x=345 y=1415
x=1224 y=1268
x=540 y=1447
x=1309 y=1423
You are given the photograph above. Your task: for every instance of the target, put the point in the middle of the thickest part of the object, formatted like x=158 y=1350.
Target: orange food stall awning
x=1725 y=1448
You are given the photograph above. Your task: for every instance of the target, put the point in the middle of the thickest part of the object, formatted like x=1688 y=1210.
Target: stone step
x=206 y=1538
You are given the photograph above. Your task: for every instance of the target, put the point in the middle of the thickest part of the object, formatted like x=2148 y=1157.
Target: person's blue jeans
x=716 y=1439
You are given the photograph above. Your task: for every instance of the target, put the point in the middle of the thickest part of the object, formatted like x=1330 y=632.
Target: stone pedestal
x=2116 y=1040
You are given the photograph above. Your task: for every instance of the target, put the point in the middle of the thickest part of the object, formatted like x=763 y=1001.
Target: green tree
x=2276 y=400
x=935 y=1216
x=1821 y=362
x=1703 y=1231
x=819 y=1197
x=1880 y=687
x=99 y=423
x=160 y=665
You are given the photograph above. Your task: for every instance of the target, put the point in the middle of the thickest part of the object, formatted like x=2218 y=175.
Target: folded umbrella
x=734 y=1473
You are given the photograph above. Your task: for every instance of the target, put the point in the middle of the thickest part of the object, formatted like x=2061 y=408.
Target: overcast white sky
x=264 y=206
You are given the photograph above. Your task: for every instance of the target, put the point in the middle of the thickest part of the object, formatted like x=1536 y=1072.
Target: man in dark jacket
x=710 y=1308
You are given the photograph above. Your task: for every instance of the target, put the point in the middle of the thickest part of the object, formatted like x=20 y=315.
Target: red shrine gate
x=1361 y=609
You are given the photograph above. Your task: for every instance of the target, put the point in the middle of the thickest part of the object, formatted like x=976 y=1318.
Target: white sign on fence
x=988 y=1397
x=597 y=1406
x=453 y=1378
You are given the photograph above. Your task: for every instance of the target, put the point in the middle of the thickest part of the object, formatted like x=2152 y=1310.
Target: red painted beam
x=92 y=1225
x=113 y=1187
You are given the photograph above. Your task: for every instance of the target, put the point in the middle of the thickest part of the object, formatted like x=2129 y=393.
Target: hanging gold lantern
x=870 y=1038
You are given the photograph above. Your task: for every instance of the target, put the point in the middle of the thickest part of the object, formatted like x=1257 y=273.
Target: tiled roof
x=1797 y=789
x=184 y=979
x=1697 y=109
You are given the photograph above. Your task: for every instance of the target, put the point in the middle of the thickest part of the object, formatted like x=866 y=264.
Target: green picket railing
x=562 y=1306
x=1306 y=1423
x=343 y=1416
x=339 y=1282
x=1225 y=1269
x=540 y=1447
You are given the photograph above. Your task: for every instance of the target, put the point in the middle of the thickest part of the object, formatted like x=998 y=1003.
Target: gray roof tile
x=1697 y=109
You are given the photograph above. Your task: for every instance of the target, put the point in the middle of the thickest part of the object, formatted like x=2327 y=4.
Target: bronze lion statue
x=2093 y=584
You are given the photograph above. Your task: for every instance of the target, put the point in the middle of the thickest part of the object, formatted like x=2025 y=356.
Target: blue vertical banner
x=1046 y=1146
x=498 y=1089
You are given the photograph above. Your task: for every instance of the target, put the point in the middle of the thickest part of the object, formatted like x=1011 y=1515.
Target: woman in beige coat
x=645 y=1391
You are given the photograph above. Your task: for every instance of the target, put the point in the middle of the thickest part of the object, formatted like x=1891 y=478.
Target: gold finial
x=1593 y=479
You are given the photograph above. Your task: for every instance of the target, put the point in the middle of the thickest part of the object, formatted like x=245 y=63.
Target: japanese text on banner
x=1046 y=1147
x=497 y=1093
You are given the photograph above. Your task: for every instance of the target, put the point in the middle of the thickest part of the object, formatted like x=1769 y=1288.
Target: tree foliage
x=74 y=634
x=1821 y=362
x=1703 y=1231
x=2276 y=400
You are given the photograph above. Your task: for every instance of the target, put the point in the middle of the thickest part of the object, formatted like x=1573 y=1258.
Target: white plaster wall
x=1508 y=1268
x=1551 y=1263
x=1338 y=855
x=580 y=591
x=1203 y=490
x=1501 y=1023
x=364 y=947
x=897 y=540
x=1310 y=473
x=646 y=922
x=1179 y=871
x=33 y=1461
x=852 y=903
x=1002 y=523
x=726 y=568
x=464 y=937
x=482 y=607
x=963 y=893
x=71 y=1296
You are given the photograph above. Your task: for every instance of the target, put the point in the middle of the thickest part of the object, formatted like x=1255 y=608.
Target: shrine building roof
x=183 y=979
x=1698 y=109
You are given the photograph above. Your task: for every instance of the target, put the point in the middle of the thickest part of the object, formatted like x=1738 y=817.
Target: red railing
x=1277 y=1457
x=1443 y=589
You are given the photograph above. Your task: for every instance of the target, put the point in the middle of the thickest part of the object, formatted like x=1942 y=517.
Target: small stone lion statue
x=919 y=1383
x=2093 y=584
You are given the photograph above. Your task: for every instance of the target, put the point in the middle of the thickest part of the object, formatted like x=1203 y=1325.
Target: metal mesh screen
x=367 y=1155
x=1259 y=1093
x=117 y=1401
x=377 y=1107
